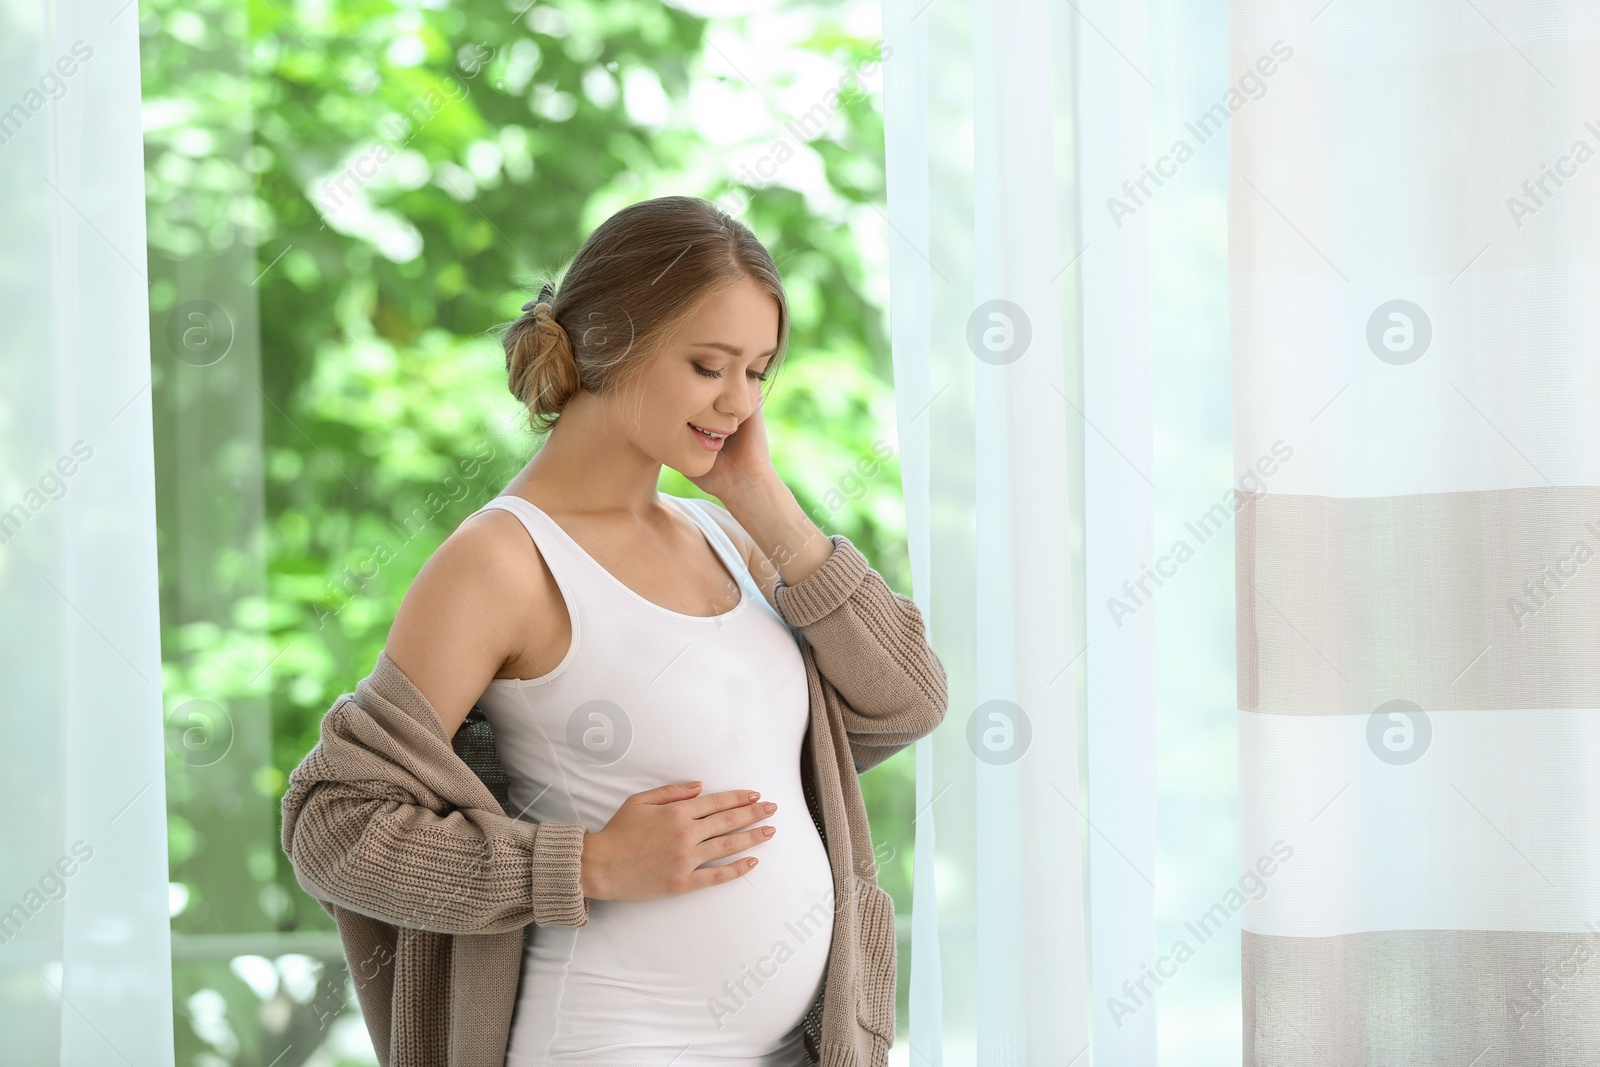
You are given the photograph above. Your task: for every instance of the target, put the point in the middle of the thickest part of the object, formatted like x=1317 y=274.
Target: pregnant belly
x=720 y=975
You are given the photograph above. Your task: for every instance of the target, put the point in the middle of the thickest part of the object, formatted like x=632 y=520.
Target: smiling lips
x=710 y=438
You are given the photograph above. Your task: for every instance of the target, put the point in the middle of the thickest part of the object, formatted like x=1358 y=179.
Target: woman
x=673 y=688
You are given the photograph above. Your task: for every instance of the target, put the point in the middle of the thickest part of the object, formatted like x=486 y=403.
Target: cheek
x=670 y=402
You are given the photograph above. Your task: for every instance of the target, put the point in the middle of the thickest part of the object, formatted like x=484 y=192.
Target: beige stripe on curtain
x=1468 y=600
x=1415 y=317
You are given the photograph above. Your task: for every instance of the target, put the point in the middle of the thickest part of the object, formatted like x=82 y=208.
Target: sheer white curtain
x=84 y=950
x=1414 y=215
x=1008 y=357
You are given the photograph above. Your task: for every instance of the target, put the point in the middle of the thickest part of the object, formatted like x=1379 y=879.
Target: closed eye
x=717 y=374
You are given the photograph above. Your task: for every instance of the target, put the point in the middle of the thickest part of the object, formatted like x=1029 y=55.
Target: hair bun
x=541 y=369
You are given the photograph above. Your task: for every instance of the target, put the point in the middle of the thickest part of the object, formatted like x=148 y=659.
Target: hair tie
x=546 y=293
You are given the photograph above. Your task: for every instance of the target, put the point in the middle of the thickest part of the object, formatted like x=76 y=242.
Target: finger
x=721 y=872
x=730 y=844
x=710 y=803
x=667 y=794
x=720 y=822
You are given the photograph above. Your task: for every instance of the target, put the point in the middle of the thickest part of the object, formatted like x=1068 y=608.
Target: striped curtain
x=1416 y=345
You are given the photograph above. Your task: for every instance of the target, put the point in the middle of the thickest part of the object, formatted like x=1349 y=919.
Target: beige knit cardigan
x=404 y=837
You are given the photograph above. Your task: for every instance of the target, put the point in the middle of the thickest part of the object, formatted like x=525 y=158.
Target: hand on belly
x=660 y=843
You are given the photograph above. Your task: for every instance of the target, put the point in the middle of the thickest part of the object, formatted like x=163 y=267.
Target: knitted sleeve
x=871 y=645
x=367 y=846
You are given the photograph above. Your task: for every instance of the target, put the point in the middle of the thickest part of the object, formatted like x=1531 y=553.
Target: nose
x=736 y=401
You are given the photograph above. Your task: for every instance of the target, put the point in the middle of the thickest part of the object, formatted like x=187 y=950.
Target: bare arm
x=467 y=613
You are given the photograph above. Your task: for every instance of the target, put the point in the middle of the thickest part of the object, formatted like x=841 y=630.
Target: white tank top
x=644 y=697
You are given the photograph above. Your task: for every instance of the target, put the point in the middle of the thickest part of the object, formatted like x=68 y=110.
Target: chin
x=693 y=466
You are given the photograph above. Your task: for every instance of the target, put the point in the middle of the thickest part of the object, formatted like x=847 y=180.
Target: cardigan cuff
x=825 y=588
x=558 y=898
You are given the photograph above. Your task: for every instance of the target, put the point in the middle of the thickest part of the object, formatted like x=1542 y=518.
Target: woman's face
x=708 y=375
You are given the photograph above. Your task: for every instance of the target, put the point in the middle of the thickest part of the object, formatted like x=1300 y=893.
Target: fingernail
x=769 y=807
x=754 y=797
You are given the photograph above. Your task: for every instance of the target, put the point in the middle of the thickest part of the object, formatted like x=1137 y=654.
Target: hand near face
x=743 y=461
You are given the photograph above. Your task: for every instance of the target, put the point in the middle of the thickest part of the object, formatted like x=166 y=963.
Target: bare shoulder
x=462 y=616
x=762 y=569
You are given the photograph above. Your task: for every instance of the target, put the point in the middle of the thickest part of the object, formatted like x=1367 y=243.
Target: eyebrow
x=732 y=350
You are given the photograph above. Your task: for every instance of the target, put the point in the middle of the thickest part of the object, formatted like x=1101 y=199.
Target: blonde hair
x=638 y=276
